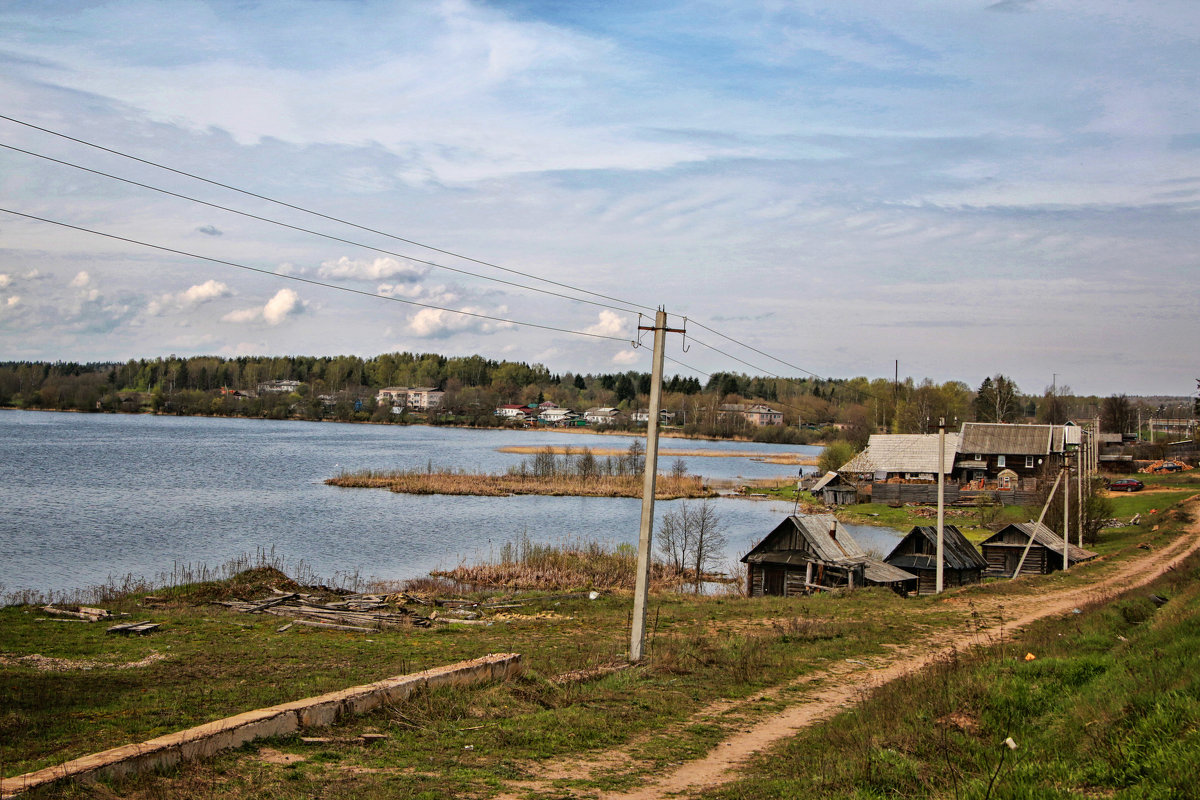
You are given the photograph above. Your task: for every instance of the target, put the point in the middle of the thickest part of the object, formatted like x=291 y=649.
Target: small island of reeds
x=547 y=473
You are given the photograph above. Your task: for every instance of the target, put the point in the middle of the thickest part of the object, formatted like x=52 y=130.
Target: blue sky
x=970 y=188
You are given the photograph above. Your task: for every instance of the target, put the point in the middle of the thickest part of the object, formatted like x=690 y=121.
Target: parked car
x=1126 y=485
x=1171 y=466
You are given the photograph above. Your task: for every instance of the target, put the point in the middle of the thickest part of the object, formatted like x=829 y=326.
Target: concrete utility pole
x=641 y=589
x=941 y=511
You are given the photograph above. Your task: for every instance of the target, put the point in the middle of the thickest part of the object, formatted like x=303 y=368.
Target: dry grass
x=573 y=565
x=799 y=459
x=668 y=487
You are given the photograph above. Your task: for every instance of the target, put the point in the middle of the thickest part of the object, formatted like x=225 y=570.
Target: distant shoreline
x=667 y=434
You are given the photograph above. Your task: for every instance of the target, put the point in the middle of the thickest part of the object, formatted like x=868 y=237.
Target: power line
x=309 y=231
x=310 y=281
x=319 y=214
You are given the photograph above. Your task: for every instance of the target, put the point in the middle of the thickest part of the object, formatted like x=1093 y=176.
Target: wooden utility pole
x=641 y=589
x=1066 y=510
x=1041 y=517
x=941 y=508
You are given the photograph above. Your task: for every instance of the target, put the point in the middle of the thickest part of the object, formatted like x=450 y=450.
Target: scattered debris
x=1165 y=465
x=85 y=613
x=140 y=628
x=371 y=613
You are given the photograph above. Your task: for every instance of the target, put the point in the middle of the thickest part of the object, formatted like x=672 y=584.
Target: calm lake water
x=88 y=497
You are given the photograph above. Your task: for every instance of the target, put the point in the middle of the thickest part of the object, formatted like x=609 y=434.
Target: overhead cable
x=304 y=210
x=312 y=232
x=310 y=281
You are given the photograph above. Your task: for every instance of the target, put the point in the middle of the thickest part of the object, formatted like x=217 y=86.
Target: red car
x=1126 y=485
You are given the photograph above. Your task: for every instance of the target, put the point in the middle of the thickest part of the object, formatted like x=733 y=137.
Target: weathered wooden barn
x=917 y=553
x=835 y=490
x=1003 y=550
x=811 y=552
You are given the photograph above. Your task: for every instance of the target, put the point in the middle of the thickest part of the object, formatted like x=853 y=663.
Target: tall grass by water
x=546 y=473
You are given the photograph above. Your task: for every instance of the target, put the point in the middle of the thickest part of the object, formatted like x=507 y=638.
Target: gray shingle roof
x=1043 y=536
x=989 y=438
x=902 y=452
x=840 y=549
x=956 y=550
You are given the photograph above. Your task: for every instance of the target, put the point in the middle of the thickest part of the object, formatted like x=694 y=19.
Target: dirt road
x=843 y=685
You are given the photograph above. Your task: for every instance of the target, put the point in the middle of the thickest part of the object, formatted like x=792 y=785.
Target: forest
x=344 y=388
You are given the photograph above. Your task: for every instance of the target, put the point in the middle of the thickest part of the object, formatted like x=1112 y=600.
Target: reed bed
x=568 y=566
x=798 y=459
x=667 y=487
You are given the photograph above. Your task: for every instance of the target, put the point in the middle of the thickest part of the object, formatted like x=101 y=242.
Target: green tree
x=834 y=456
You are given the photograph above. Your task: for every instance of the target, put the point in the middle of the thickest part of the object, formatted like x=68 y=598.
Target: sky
x=969 y=188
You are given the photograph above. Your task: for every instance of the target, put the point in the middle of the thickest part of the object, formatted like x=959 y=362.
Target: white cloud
x=190 y=297
x=81 y=280
x=5 y=281
x=611 y=323
x=437 y=323
x=372 y=270
x=13 y=301
x=286 y=303
x=626 y=357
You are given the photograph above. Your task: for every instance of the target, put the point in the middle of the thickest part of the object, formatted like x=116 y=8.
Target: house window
x=979 y=456
x=1028 y=462
x=1000 y=462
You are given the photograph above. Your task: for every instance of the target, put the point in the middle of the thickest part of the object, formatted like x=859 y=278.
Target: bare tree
x=709 y=535
x=692 y=539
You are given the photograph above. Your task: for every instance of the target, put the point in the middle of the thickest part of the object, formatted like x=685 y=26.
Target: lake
x=89 y=497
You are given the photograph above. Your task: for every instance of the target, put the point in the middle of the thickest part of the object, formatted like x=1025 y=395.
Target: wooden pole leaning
x=641 y=589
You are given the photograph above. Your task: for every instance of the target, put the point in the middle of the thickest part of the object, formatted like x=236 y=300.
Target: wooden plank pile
x=366 y=613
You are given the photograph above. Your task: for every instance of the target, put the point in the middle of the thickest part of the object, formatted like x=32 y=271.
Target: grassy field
x=667 y=487
x=85 y=691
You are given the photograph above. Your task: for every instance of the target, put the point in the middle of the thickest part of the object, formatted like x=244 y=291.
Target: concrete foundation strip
x=281 y=720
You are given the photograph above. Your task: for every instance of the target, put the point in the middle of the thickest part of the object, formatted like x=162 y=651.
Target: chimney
x=833 y=531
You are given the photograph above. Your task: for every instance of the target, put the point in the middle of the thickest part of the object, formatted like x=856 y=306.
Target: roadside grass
x=451 y=743
x=1108 y=707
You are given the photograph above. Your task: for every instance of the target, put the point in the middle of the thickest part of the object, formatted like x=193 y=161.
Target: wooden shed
x=835 y=490
x=1003 y=550
x=813 y=551
x=917 y=553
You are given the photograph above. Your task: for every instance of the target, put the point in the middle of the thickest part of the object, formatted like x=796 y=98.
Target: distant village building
x=917 y=553
x=602 y=416
x=642 y=416
x=556 y=417
x=755 y=413
x=422 y=399
x=279 y=387
x=516 y=411
x=1004 y=549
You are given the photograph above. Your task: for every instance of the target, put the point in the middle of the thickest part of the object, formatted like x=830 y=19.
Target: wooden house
x=1003 y=550
x=811 y=552
x=909 y=457
x=1004 y=454
x=917 y=553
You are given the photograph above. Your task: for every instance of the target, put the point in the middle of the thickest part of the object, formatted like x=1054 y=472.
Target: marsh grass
x=574 y=564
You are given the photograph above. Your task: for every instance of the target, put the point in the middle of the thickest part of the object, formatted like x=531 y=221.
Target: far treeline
x=344 y=388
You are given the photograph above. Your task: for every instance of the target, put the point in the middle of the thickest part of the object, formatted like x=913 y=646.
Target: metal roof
x=903 y=452
x=840 y=548
x=989 y=438
x=956 y=550
x=1043 y=536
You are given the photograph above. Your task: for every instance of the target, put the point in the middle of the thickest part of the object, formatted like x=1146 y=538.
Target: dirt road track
x=845 y=684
